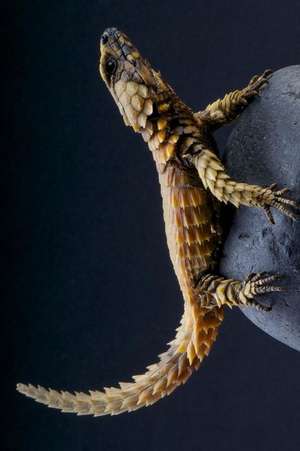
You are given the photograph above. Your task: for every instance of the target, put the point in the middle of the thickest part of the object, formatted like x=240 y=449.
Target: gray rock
x=263 y=148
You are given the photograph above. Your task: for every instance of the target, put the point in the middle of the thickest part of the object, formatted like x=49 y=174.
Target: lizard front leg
x=219 y=291
x=225 y=110
x=214 y=177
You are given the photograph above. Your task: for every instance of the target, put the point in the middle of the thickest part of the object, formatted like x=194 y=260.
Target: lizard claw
x=271 y=197
x=269 y=214
x=257 y=82
x=257 y=284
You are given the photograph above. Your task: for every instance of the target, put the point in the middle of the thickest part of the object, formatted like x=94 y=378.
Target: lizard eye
x=104 y=38
x=110 y=66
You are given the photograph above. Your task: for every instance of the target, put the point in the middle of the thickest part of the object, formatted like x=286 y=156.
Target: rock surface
x=263 y=148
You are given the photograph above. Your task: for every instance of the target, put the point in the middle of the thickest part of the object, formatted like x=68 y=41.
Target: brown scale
x=191 y=236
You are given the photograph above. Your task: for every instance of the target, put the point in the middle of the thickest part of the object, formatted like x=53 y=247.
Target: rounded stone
x=264 y=148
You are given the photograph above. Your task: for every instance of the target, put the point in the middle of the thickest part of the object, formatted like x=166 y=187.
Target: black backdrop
x=95 y=295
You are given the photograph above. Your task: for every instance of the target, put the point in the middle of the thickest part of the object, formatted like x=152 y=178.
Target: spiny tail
x=194 y=338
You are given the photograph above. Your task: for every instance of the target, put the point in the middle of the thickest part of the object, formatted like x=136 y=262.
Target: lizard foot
x=255 y=285
x=271 y=197
x=257 y=83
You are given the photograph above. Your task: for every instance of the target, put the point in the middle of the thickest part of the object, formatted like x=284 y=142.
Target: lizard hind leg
x=218 y=291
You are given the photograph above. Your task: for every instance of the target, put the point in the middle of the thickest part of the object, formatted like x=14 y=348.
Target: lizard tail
x=194 y=338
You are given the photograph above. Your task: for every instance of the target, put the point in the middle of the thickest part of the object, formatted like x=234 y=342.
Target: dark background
x=95 y=296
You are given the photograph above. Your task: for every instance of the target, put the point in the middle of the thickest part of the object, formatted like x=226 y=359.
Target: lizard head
x=130 y=79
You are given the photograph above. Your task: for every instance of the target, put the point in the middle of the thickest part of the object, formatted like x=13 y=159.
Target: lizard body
x=193 y=183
